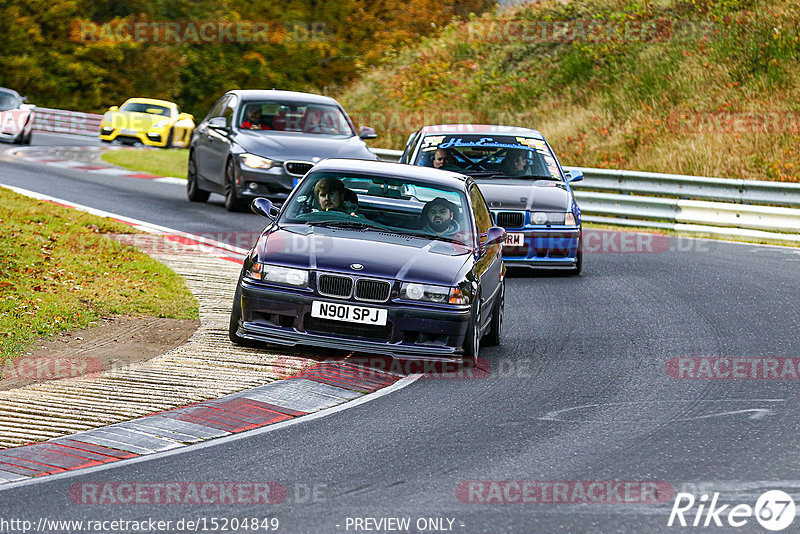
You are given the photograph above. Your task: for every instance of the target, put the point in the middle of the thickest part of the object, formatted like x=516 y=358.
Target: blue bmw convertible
x=375 y=257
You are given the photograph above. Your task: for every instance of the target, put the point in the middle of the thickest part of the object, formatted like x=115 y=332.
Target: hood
x=541 y=195
x=134 y=120
x=284 y=146
x=383 y=255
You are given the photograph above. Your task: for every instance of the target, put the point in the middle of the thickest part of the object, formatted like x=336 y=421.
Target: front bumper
x=549 y=248
x=275 y=183
x=283 y=317
x=156 y=137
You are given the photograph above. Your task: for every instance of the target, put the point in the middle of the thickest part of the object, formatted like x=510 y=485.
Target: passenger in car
x=438 y=217
x=515 y=163
x=332 y=195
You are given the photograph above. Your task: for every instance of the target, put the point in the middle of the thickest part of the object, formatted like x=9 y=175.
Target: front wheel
x=169 y=138
x=232 y=200
x=492 y=339
x=236 y=316
x=578 y=258
x=193 y=190
x=472 y=339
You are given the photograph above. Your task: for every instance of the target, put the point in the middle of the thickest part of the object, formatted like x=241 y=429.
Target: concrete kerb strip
x=205 y=389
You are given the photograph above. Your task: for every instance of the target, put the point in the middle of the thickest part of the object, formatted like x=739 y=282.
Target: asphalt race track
x=578 y=393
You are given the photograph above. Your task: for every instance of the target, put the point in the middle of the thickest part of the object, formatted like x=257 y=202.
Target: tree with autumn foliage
x=313 y=45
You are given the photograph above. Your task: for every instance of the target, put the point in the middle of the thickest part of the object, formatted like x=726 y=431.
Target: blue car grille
x=331 y=285
x=373 y=290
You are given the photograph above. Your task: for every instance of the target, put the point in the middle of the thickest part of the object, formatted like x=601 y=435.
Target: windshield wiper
x=438 y=237
x=343 y=224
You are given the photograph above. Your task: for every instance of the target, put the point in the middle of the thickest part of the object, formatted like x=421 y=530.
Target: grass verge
x=60 y=272
x=170 y=162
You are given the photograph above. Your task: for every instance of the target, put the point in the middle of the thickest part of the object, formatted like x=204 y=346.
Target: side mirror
x=574 y=175
x=113 y=108
x=263 y=207
x=218 y=123
x=185 y=116
x=367 y=133
x=494 y=236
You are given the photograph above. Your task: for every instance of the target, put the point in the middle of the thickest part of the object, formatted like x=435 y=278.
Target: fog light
x=252 y=186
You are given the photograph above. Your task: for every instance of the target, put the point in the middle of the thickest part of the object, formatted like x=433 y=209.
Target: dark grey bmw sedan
x=375 y=257
x=259 y=143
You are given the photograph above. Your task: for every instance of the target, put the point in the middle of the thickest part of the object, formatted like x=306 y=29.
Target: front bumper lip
x=281 y=336
x=553 y=237
x=141 y=136
x=267 y=299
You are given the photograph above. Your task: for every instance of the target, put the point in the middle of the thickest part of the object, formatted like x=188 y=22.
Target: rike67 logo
x=774 y=510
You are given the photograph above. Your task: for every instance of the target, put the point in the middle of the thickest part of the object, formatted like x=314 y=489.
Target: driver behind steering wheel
x=330 y=194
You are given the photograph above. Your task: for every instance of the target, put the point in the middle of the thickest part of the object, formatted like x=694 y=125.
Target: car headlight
x=161 y=124
x=256 y=162
x=569 y=219
x=431 y=293
x=278 y=275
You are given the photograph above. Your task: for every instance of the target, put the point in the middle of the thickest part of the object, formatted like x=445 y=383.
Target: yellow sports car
x=148 y=121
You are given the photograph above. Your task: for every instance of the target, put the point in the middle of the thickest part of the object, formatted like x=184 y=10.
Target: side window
x=482 y=217
x=228 y=111
x=216 y=109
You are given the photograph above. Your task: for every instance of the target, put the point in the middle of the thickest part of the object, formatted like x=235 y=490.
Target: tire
x=193 y=190
x=578 y=258
x=492 y=338
x=232 y=200
x=236 y=315
x=169 y=138
x=472 y=339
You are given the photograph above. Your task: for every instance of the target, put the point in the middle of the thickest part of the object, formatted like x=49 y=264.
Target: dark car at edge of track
x=259 y=143
x=528 y=191
x=371 y=275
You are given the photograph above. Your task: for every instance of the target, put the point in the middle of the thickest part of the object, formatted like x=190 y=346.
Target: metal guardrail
x=690 y=187
x=67 y=122
x=717 y=206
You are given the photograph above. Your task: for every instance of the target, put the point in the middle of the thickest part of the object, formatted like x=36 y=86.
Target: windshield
x=8 y=101
x=139 y=107
x=294 y=117
x=385 y=204
x=498 y=156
